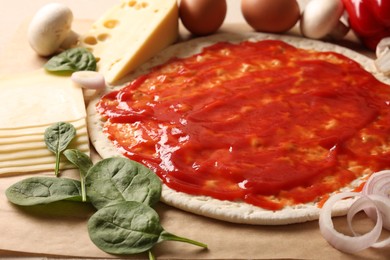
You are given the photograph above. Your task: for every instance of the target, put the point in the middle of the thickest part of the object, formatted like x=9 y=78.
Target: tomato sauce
x=261 y=122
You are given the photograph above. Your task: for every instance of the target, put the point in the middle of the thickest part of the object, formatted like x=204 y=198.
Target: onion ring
x=343 y=242
x=379 y=184
x=374 y=200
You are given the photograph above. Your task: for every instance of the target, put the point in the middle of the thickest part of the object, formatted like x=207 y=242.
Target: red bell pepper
x=369 y=19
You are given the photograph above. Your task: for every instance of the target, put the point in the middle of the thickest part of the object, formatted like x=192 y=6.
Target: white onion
x=375 y=201
x=89 y=79
x=379 y=184
x=383 y=205
x=343 y=242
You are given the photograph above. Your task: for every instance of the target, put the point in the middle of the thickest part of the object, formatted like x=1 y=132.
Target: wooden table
x=40 y=233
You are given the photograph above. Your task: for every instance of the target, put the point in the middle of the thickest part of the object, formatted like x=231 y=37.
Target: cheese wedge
x=130 y=33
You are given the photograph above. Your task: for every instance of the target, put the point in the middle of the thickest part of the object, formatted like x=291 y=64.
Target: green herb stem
x=83 y=191
x=151 y=256
x=57 y=166
x=168 y=236
x=83 y=162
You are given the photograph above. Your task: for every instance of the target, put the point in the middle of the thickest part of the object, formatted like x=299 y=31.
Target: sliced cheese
x=38 y=99
x=38 y=130
x=37 y=160
x=32 y=102
x=130 y=33
x=7 y=148
x=20 y=139
x=36 y=157
x=5 y=171
x=38 y=153
x=39 y=137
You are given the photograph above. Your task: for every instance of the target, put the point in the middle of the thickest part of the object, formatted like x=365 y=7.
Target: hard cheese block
x=31 y=102
x=130 y=33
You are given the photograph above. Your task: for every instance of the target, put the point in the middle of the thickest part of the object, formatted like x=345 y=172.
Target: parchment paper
x=60 y=230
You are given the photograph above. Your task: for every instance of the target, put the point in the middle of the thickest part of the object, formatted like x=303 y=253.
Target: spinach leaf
x=120 y=179
x=71 y=60
x=43 y=190
x=57 y=138
x=129 y=228
x=83 y=162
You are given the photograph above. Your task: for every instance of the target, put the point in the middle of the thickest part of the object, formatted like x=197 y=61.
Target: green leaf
x=43 y=190
x=75 y=59
x=83 y=162
x=125 y=228
x=129 y=228
x=119 y=179
x=79 y=159
x=57 y=138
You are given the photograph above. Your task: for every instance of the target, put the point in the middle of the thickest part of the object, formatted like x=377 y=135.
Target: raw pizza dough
x=237 y=212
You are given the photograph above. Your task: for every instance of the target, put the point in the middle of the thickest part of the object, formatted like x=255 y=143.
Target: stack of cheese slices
x=120 y=40
x=30 y=103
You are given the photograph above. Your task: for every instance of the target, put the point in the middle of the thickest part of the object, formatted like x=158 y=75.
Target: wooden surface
x=43 y=233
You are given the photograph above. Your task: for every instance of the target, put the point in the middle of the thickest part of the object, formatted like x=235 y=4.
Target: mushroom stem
x=70 y=40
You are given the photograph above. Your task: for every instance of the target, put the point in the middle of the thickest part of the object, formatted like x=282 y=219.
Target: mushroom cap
x=49 y=27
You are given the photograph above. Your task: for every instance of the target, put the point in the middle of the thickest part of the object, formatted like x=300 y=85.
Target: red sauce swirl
x=261 y=122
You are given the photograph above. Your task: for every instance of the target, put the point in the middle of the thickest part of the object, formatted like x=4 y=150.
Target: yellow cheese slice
x=35 y=160
x=36 y=157
x=5 y=171
x=38 y=130
x=130 y=33
x=38 y=137
x=37 y=99
x=32 y=102
x=7 y=148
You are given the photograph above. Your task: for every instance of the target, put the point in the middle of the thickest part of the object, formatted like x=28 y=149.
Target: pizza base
x=236 y=212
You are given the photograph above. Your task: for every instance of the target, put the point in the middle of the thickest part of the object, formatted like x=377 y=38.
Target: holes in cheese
x=137 y=4
x=129 y=34
x=102 y=37
x=110 y=23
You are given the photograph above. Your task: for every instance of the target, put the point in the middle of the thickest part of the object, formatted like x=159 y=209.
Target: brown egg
x=202 y=17
x=273 y=16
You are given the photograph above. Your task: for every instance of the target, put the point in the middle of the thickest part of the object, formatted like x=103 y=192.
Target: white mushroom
x=321 y=18
x=49 y=27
